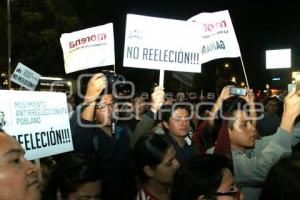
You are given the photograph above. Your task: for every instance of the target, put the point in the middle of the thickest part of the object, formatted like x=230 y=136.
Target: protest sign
x=88 y=48
x=217 y=36
x=25 y=77
x=38 y=120
x=165 y=44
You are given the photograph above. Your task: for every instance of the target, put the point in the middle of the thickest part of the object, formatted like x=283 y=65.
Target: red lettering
x=214 y=27
x=223 y=24
x=210 y=27
x=102 y=36
x=82 y=41
x=77 y=42
x=91 y=38
x=71 y=45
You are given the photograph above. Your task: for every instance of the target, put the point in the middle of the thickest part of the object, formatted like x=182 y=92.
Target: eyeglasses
x=230 y=193
x=236 y=193
x=104 y=106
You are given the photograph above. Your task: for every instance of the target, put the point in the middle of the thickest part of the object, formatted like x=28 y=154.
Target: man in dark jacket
x=92 y=135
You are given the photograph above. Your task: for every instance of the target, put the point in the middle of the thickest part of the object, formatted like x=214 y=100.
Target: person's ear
x=229 y=131
x=201 y=197
x=165 y=124
x=148 y=171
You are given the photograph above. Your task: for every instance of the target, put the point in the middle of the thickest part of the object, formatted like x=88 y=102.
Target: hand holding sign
x=157 y=98
x=95 y=86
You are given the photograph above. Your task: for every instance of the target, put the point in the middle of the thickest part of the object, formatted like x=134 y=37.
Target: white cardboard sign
x=38 y=120
x=217 y=36
x=25 y=77
x=88 y=48
x=158 y=43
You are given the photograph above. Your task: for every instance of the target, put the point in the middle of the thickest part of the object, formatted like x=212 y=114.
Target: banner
x=38 y=120
x=25 y=77
x=157 y=43
x=88 y=48
x=217 y=35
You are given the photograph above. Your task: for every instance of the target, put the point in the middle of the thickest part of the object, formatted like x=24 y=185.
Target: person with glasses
x=205 y=177
x=92 y=132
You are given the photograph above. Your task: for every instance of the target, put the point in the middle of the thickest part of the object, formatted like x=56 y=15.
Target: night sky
x=258 y=26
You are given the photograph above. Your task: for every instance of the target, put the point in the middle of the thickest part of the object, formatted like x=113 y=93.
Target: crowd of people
x=165 y=149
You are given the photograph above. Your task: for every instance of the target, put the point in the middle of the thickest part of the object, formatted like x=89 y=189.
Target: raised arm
x=268 y=150
x=96 y=85
x=147 y=122
x=217 y=106
x=250 y=99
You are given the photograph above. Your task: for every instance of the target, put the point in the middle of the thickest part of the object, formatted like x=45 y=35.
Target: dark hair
x=210 y=133
x=200 y=175
x=283 y=180
x=149 y=150
x=167 y=110
x=272 y=99
x=230 y=106
x=72 y=171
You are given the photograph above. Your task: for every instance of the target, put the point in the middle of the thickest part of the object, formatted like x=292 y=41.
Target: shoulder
x=143 y=194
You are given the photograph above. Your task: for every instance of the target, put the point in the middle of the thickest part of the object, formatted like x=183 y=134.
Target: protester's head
x=155 y=159
x=272 y=105
x=18 y=176
x=75 y=177
x=103 y=110
x=176 y=119
x=283 y=180
x=205 y=177
x=242 y=133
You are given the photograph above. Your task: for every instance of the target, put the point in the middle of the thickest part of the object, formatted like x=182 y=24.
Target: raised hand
x=96 y=85
x=157 y=98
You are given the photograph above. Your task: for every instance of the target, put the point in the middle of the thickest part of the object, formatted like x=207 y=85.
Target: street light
x=219 y=69
x=233 y=79
x=220 y=79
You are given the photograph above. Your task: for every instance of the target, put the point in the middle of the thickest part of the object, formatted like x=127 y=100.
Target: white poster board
x=25 y=77
x=157 y=43
x=88 y=48
x=280 y=58
x=38 y=120
x=217 y=36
